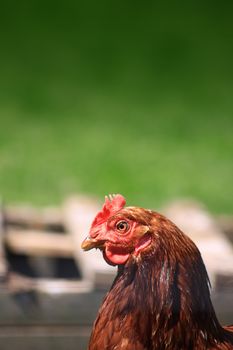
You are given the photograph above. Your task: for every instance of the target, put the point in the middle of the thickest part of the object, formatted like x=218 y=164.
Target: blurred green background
x=105 y=97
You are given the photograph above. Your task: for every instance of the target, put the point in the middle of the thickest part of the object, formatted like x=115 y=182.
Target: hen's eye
x=122 y=226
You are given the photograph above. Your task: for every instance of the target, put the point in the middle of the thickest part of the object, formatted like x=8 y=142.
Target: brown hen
x=160 y=298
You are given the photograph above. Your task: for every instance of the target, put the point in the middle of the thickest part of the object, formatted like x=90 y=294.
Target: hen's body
x=160 y=298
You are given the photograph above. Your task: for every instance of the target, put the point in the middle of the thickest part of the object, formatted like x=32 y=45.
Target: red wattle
x=115 y=257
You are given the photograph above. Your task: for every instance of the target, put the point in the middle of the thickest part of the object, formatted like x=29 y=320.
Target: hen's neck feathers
x=162 y=298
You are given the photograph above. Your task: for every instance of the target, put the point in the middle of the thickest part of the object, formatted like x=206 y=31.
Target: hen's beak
x=90 y=243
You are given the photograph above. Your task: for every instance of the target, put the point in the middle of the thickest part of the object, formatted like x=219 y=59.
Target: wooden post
x=3 y=261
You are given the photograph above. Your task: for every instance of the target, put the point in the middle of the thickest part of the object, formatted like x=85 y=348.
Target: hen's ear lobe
x=141 y=230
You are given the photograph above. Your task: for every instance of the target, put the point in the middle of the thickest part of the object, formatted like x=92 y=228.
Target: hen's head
x=121 y=232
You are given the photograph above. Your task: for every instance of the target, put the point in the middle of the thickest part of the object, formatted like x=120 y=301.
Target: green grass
x=102 y=100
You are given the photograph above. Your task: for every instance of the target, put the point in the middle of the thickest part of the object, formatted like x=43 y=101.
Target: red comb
x=113 y=203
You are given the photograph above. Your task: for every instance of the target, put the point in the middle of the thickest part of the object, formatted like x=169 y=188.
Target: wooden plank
x=50 y=309
x=18 y=283
x=44 y=337
x=44 y=343
x=76 y=309
x=30 y=217
x=41 y=330
x=39 y=243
